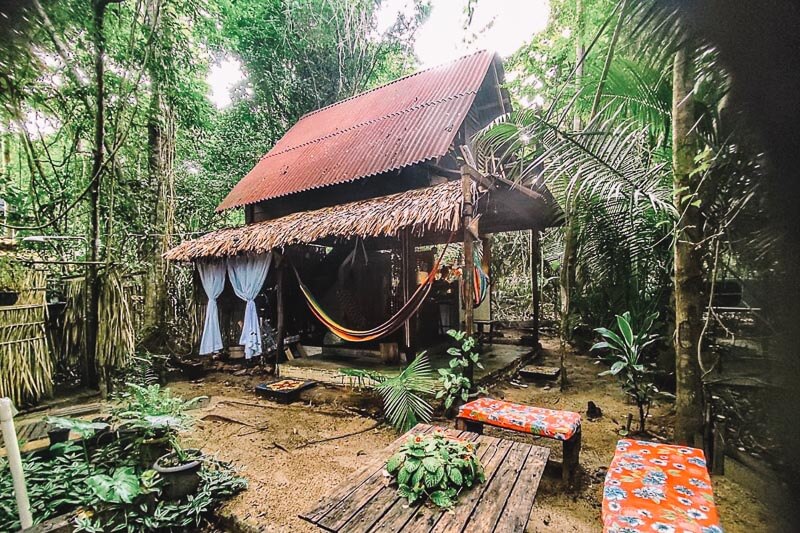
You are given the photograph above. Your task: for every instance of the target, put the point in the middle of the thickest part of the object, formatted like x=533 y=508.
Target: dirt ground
x=275 y=446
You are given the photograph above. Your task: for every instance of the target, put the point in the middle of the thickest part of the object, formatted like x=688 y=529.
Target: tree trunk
x=90 y=370
x=161 y=148
x=469 y=269
x=689 y=299
x=566 y=278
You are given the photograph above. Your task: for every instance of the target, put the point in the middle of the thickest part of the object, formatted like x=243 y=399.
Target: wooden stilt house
x=355 y=195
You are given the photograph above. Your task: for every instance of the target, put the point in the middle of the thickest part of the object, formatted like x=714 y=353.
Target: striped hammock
x=394 y=323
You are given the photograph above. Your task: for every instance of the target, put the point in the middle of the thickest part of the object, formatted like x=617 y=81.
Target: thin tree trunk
x=469 y=269
x=90 y=373
x=161 y=147
x=607 y=63
x=566 y=276
x=689 y=300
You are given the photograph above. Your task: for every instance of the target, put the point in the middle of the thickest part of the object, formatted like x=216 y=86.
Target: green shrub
x=435 y=468
x=455 y=385
x=624 y=354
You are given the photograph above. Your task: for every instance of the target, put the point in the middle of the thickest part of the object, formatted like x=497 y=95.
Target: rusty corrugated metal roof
x=404 y=122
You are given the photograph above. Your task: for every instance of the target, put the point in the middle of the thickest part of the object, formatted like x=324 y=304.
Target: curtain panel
x=212 y=276
x=247 y=274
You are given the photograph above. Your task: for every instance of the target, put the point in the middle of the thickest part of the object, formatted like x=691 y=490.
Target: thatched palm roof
x=430 y=210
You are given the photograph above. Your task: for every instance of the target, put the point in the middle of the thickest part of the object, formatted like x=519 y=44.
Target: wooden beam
x=407 y=279
x=535 y=259
x=486 y=266
x=490 y=182
x=281 y=326
x=469 y=288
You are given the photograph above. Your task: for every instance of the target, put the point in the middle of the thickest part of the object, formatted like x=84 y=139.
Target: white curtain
x=247 y=274
x=212 y=276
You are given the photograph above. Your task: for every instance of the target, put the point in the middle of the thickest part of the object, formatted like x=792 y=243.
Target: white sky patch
x=223 y=76
x=387 y=14
x=499 y=25
x=39 y=124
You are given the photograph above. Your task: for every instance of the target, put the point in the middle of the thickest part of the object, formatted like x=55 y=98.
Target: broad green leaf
x=625 y=329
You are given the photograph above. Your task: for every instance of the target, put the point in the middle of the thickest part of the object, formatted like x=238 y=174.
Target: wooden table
x=366 y=501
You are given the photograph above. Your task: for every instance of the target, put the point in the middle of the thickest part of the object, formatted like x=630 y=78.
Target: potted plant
x=151 y=416
x=180 y=470
x=61 y=427
x=435 y=468
x=58 y=434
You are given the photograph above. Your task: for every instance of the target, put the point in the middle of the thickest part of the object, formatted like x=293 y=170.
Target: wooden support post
x=535 y=296
x=281 y=326
x=469 y=266
x=718 y=451
x=407 y=280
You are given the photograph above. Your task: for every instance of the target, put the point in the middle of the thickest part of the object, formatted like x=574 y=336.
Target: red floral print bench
x=564 y=426
x=659 y=488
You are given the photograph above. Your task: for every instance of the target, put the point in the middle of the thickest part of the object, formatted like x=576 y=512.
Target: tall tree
x=98 y=169
x=160 y=163
x=688 y=262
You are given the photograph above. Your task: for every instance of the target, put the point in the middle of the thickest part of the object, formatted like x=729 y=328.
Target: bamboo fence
x=26 y=362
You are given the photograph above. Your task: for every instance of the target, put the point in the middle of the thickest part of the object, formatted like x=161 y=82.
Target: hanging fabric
x=247 y=274
x=394 y=323
x=390 y=326
x=480 y=281
x=212 y=277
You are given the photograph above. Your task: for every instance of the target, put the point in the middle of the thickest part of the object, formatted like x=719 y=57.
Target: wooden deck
x=366 y=502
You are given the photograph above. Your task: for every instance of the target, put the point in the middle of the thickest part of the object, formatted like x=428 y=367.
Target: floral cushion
x=559 y=425
x=659 y=488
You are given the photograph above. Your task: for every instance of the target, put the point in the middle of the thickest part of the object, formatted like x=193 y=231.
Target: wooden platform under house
x=354 y=207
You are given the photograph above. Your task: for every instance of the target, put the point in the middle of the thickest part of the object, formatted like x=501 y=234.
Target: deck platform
x=367 y=502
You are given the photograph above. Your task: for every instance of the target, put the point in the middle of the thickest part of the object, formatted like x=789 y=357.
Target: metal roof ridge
x=407 y=76
x=370 y=121
x=323 y=185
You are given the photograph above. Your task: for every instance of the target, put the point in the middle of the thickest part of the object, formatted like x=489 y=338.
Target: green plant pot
x=182 y=479
x=58 y=435
x=151 y=449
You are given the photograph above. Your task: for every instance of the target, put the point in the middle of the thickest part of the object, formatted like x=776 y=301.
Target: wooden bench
x=564 y=426
x=485 y=329
x=658 y=487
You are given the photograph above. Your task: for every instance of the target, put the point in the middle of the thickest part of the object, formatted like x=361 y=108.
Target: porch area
x=497 y=360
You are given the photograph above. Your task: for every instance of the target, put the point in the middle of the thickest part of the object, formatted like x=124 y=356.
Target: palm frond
x=403 y=405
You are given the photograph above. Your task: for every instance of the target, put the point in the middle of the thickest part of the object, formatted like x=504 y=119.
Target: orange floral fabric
x=559 y=425
x=660 y=488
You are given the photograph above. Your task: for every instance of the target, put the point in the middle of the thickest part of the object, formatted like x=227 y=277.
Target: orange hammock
x=394 y=323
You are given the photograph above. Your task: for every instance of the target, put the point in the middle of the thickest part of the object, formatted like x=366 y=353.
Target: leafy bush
x=435 y=468
x=218 y=480
x=403 y=406
x=624 y=354
x=139 y=401
x=108 y=483
x=455 y=385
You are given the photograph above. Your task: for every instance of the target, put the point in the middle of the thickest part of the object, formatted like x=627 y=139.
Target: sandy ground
x=270 y=442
